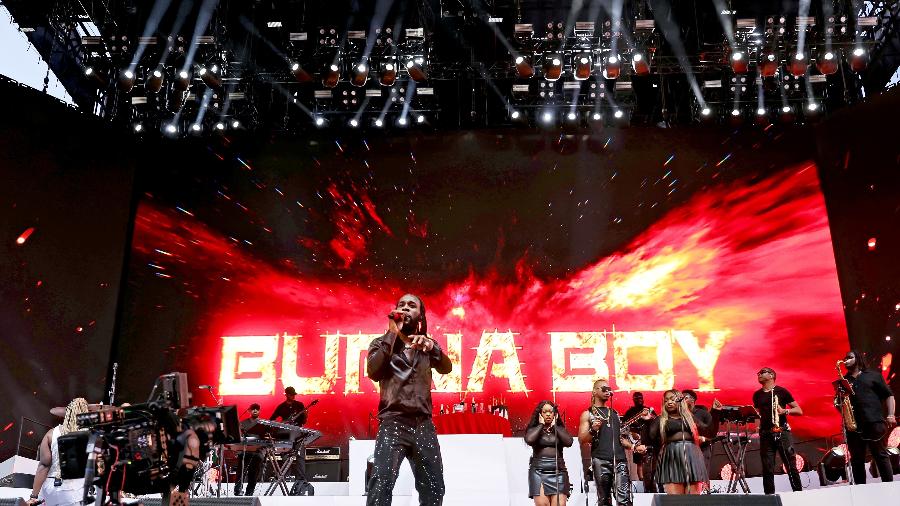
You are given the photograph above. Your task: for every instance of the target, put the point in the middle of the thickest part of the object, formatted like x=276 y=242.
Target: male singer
x=401 y=361
x=601 y=427
x=872 y=427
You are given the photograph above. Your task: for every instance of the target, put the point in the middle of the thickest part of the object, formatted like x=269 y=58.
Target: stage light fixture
x=220 y=126
x=761 y=111
x=613 y=67
x=705 y=112
x=582 y=67
x=735 y=112
x=300 y=74
x=378 y=122
x=415 y=67
x=798 y=64
x=762 y=116
x=768 y=64
x=832 y=467
x=787 y=114
x=859 y=59
x=547 y=117
x=353 y=122
x=640 y=64
x=359 y=76
x=618 y=114
x=420 y=119
x=138 y=128
x=235 y=124
x=126 y=81
x=182 y=81
x=552 y=67
x=332 y=76
x=388 y=74
x=596 y=116
x=740 y=63
x=319 y=121
x=171 y=129
x=196 y=128
x=402 y=121
x=210 y=77
x=515 y=115
x=524 y=69
x=154 y=81
x=812 y=107
x=827 y=61
x=97 y=77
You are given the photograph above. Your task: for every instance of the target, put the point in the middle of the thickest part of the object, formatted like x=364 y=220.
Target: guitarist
x=293 y=412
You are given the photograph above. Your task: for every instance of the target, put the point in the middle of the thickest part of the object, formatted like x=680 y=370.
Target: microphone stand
x=221 y=451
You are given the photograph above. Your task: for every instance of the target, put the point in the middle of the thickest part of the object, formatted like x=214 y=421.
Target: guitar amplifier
x=323 y=453
x=323 y=470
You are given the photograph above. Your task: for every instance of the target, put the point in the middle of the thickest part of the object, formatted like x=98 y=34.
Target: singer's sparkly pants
x=415 y=439
x=611 y=481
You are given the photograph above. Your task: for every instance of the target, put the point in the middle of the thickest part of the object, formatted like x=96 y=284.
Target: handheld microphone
x=205 y=387
x=397 y=316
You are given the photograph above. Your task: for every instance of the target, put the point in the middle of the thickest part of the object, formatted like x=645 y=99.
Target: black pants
x=606 y=475
x=869 y=435
x=298 y=470
x=415 y=439
x=781 y=443
x=251 y=463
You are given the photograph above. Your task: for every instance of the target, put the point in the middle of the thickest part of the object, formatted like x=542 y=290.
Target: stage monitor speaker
x=17 y=480
x=323 y=470
x=12 y=501
x=211 y=501
x=716 y=500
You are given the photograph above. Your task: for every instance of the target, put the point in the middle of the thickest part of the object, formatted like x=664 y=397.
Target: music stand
x=737 y=432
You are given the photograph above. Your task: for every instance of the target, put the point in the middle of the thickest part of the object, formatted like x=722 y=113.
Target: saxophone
x=844 y=400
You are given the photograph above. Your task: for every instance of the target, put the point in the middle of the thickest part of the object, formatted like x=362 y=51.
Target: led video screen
x=654 y=259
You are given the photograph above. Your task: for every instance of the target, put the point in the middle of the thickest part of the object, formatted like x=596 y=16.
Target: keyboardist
x=251 y=459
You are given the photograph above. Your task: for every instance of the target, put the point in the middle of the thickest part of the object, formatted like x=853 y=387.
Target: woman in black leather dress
x=548 y=479
x=681 y=468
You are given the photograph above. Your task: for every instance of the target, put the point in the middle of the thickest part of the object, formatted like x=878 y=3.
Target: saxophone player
x=870 y=395
x=774 y=403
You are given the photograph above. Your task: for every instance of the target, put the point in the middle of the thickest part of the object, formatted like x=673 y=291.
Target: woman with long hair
x=56 y=491
x=548 y=479
x=681 y=468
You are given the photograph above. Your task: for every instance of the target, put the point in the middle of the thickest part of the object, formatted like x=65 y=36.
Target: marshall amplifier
x=323 y=463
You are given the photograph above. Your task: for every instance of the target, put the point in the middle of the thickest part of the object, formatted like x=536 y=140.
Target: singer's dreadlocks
x=75 y=408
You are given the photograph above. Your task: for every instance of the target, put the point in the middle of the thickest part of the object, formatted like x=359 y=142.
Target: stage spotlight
x=378 y=122
x=571 y=116
x=859 y=59
x=96 y=77
x=402 y=121
x=547 y=118
x=235 y=124
x=640 y=64
x=388 y=74
x=582 y=67
x=171 y=129
x=353 y=122
x=832 y=467
x=827 y=61
x=210 y=78
x=138 y=128
x=220 y=126
x=762 y=117
x=154 y=81
x=740 y=63
x=613 y=67
x=416 y=70
x=319 y=121
x=182 y=81
x=618 y=114
x=768 y=64
x=359 y=76
x=798 y=64
x=196 y=128
x=524 y=69
x=705 y=112
x=332 y=76
x=552 y=67
x=596 y=116
x=515 y=115
x=300 y=74
x=812 y=108
x=126 y=81
x=420 y=119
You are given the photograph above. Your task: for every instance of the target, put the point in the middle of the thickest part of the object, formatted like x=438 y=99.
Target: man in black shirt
x=870 y=392
x=293 y=412
x=774 y=403
x=601 y=427
x=636 y=427
x=250 y=461
x=401 y=361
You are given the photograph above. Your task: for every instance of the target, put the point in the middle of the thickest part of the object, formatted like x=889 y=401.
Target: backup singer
x=250 y=461
x=774 y=403
x=56 y=491
x=548 y=478
x=872 y=427
x=602 y=428
x=681 y=469
x=401 y=361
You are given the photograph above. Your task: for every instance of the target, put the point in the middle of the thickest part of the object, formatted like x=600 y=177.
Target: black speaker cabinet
x=211 y=501
x=323 y=470
x=717 y=500
x=12 y=501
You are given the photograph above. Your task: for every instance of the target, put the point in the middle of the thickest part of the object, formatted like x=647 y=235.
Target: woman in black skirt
x=681 y=468
x=548 y=480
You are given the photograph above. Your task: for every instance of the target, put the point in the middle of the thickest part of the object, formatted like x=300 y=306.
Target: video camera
x=145 y=448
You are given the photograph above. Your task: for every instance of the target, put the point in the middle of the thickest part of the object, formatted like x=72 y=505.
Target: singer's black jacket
x=405 y=385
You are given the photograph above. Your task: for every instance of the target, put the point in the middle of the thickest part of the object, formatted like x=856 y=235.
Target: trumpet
x=776 y=419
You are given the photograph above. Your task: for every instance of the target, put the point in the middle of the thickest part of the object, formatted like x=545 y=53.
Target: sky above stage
x=657 y=263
